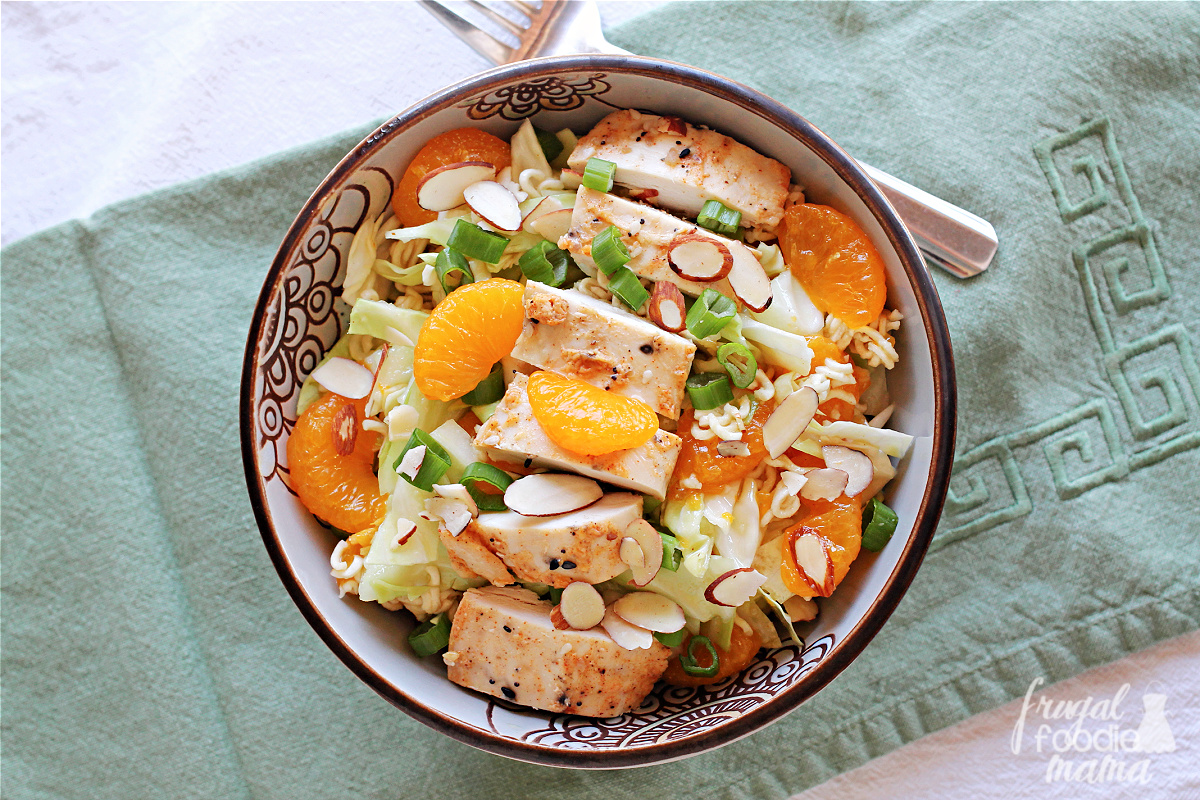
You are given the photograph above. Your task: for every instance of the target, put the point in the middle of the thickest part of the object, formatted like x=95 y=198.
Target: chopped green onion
x=431 y=636
x=555 y=595
x=598 y=174
x=625 y=285
x=709 y=313
x=474 y=242
x=709 y=390
x=719 y=218
x=433 y=466
x=544 y=263
x=692 y=666
x=608 y=251
x=741 y=371
x=879 y=523
x=860 y=361
x=671 y=639
x=672 y=554
x=488 y=390
x=551 y=146
x=449 y=261
x=495 y=477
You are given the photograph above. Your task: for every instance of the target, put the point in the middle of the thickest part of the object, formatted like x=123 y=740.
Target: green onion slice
x=739 y=362
x=433 y=466
x=474 y=242
x=709 y=390
x=598 y=174
x=431 y=636
x=719 y=218
x=672 y=553
x=449 y=261
x=495 y=477
x=879 y=523
x=608 y=251
x=709 y=313
x=544 y=263
x=671 y=639
x=551 y=146
x=692 y=666
x=625 y=285
x=488 y=390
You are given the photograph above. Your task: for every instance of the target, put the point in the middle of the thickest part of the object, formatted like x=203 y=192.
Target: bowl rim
x=944 y=429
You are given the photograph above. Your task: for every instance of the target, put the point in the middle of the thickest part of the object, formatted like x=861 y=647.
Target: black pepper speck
x=509 y=693
x=685 y=152
x=647 y=348
x=568 y=565
x=554 y=563
x=528 y=463
x=507 y=629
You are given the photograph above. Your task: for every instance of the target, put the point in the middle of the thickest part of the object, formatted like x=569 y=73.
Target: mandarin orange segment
x=742 y=649
x=451 y=147
x=340 y=489
x=584 y=419
x=835 y=262
x=836 y=408
x=840 y=522
x=700 y=458
x=465 y=335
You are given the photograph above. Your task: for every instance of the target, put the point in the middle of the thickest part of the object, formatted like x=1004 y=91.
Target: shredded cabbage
x=381 y=319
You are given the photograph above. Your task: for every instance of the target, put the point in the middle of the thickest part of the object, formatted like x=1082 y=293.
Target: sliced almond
x=631 y=553
x=673 y=125
x=650 y=611
x=549 y=493
x=571 y=179
x=814 y=562
x=789 y=420
x=539 y=206
x=800 y=609
x=856 y=464
x=442 y=188
x=738 y=449
x=666 y=308
x=410 y=465
x=495 y=204
x=581 y=606
x=644 y=195
x=750 y=283
x=793 y=481
x=454 y=514
x=558 y=620
x=824 y=484
x=734 y=587
x=345 y=429
x=456 y=491
x=650 y=543
x=405 y=528
x=697 y=257
x=554 y=225
x=345 y=377
x=626 y=635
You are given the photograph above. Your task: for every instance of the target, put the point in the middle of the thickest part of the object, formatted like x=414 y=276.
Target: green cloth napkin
x=149 y=650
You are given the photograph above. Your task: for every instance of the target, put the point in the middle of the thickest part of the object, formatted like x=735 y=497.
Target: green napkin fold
x=150 y=650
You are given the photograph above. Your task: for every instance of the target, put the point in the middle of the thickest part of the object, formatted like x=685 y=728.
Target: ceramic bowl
x=300 y=314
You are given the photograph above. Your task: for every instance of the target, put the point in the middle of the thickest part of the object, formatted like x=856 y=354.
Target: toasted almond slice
x=734 y=587
x=650 y=542
x=697 y=257
x=800 y=609
x=750 y=283
x=558 y=620
x=539 y=207
x=410 y=465
x=456 y=491
x=789 y=420
x=857 y=466
x=734 y=449
x=345 y=429
x=496 y=204
x=581 y=605
x=824 y=484
x=405 y=528
x=345 y=377
x=454 y=514
x=650 y=611
x=626 y=635
x=550 y=493
x=442 y=188
x=631 y=553
x=571 y=179
x=553 y=225
x=794 y=481
x=666 y=308
x=814 y=561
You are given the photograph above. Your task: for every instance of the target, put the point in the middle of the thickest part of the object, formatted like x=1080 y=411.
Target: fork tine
x=524 y=6
x=480 y=41
x=499 y=19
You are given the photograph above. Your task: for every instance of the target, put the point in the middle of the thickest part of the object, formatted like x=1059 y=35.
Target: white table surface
x=103 y=101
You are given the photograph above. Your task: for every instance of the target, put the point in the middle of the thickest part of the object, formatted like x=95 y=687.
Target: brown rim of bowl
x=942 y=363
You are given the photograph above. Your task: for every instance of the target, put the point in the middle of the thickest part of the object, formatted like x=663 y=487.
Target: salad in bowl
x=610 y=409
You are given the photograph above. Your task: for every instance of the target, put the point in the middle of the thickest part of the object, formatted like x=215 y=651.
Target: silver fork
x=953 y=238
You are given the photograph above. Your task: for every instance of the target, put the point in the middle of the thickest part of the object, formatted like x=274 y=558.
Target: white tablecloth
x=104 y=101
